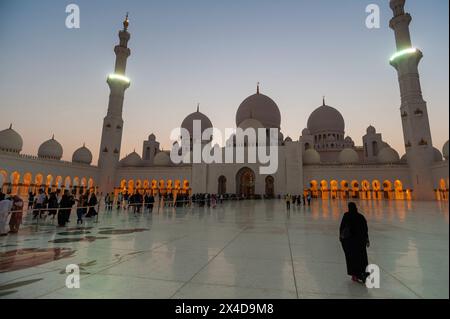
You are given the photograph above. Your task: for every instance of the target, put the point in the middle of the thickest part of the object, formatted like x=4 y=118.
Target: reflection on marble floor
x=250 y=249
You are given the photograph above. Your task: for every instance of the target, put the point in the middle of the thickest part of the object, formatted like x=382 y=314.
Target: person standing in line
x=16 y=214
x=5 y=210
x=354 y=237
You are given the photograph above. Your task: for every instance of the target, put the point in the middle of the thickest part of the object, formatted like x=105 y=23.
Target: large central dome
x=326 y=119
x=261 y=108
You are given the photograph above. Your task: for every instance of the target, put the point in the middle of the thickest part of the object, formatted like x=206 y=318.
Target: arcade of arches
x=17 y=183
x=154 y=186
x=22 y=183
x=359 y=190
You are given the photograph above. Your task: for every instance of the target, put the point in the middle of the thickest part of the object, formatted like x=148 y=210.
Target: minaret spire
x=126 y=23
x=257 y=88
x=413 y=109
x=198 y=107
x=323 y=100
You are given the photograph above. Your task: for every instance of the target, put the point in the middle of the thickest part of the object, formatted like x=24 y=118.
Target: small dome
x=311 y=156
x=437 y=156
x=259 y=107
x=131 y=160
x=371 y=130
x=388 y=155
x=445 y=150
x=152 y=137
x=251 y=123
x=188 y=122
x=404 y=158
x=288 y=139
x=162 y=159
x=326 y=119
x=10 y=141
x=82 y=155
x=348 y=156
x=50 y=149
x=306 y=132
x=348 y=141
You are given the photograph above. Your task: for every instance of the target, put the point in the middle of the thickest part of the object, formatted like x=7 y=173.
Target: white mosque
x=323 y=161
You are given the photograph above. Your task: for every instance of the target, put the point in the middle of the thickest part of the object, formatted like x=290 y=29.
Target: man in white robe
x=5 y=210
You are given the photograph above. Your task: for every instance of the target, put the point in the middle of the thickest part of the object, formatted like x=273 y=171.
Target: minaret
x=413 y=110
x=113 y=122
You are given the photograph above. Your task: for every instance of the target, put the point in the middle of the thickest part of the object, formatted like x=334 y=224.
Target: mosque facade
x=323 y=160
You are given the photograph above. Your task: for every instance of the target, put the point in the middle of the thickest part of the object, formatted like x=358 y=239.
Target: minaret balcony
x=418 y=113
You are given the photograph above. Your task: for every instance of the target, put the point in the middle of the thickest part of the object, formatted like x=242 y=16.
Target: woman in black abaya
x=354 y=237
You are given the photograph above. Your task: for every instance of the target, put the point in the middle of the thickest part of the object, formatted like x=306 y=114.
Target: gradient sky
x=53 y=79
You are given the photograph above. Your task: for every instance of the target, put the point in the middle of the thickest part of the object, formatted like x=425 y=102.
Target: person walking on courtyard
x=92 y=202
x=81 y=210
x=39 y=203
x=288 y=201
x=52 y=204
x=5 y=210
x=308 y=198
x=65 y=207
x=119 y=200
x=31 y=196
x=16 y=214
x=354 y=237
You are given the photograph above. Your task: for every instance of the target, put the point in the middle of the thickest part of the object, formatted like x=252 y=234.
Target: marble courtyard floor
x=247 y=249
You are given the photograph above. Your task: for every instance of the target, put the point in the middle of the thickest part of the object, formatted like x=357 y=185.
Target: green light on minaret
x=402 y=53
x=119 y=77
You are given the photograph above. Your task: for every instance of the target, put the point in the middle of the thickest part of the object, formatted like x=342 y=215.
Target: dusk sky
x=53 y=79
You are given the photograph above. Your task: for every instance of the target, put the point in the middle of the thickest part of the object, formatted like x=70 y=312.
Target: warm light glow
x=119 y=77
x=403 y=52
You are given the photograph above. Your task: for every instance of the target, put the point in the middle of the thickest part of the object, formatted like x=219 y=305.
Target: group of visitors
x=10 y=205
x=56 y=204
x=297 y=200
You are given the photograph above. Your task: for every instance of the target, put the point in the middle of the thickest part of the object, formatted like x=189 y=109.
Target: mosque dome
x=188 y=122
x=133 y=159
x=251 y=123
x=388 y=155
x=311 y=156
x=445 y=150
x=82 y=155
x=325 y=119
x=437 y=155
x=306 y=132
x=348 y=156
x=371 y=130
x=50 y=149
x=259 y=107
x=10 y=141
x=162 y=159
